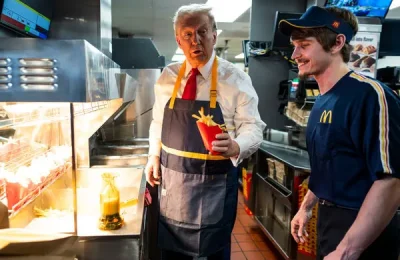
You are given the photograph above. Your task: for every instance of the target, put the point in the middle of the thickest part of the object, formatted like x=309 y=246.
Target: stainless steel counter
x=107 y=248
x=121 y=247
x=131 y=182
x=292 y=156
x=276 y=192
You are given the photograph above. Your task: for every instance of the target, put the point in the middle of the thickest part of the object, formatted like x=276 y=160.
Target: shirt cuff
x=242 y=151
x=155 y=148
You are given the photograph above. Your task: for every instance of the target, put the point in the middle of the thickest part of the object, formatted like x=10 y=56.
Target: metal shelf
x=86 y=108
x=20 y=115
x=21 y=154
x=278 y=184
x=19 y=187
x=264 y=222
x=34 y=193
x=299 y=120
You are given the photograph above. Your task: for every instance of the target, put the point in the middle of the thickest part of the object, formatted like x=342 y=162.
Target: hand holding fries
x=225 y=146
x=210 y=132
x=208 y=129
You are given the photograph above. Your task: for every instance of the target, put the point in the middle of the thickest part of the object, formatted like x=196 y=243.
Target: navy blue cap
x=317 y=17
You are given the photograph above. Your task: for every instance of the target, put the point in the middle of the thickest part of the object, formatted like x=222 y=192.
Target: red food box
x=208 y=134
x=15 y=192
x=10 y=151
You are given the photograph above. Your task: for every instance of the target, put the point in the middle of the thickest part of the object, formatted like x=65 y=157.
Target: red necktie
x=191 y=85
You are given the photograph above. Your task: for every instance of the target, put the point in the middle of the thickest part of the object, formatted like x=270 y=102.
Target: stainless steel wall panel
x=78 y=71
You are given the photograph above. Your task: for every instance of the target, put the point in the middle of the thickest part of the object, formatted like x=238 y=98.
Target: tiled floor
x=248 y=241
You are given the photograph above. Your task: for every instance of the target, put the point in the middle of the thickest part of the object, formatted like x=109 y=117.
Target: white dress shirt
x=236 y=97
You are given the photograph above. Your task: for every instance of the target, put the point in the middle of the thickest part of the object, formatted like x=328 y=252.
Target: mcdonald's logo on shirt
x=326 y=117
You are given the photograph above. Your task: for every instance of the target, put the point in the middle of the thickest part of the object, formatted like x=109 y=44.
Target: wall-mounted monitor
x=370 y=8
x=281 y=42
x=28 y=17
x=389 y=45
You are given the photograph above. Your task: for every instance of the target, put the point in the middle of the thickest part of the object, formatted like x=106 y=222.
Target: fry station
x=79 y=86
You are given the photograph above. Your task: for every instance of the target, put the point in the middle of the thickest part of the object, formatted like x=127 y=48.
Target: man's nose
x=196 y=38
x=296 y=53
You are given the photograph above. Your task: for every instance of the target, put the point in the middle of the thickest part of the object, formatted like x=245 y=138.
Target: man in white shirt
x=198 y=195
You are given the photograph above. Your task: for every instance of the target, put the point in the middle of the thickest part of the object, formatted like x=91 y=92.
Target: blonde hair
x=194 y=9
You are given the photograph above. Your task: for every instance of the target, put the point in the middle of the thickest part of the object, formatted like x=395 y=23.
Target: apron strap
x=177 y=85
x=213 y=89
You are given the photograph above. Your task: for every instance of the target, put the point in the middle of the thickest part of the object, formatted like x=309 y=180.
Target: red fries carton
x=208 y=134
x=208 y=130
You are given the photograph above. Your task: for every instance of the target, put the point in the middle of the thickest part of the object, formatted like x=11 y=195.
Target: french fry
x=208 y=129
x=207 y=119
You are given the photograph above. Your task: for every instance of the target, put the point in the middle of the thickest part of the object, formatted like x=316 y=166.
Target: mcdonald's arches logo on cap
x=335 y=24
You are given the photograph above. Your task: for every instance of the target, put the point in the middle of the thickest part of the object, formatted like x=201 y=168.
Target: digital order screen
x=373 y=8
x=24 y=18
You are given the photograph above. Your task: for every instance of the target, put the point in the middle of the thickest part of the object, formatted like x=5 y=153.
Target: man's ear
x=214 y=37
x=340 y=42
x=178 y=41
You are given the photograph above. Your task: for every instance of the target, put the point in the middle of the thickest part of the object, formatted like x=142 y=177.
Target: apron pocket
x=192 y=198
x=213 y=199
x=204 y=198
x=170 y=198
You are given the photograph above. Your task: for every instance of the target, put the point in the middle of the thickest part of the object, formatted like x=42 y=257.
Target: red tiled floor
x=235 y=247
x=257 y=237
x=248 y=246
x=261 y=245
x=241 y=199
x=233 y=239
x=268 y=255
x=243 y=237
x=241 y=211
x=254 y=230
x=238 y=256
x=254 y=255
x=238 y=229
x=248 y=240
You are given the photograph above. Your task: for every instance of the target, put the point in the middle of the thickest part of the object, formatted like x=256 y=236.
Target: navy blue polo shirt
x=353 y=139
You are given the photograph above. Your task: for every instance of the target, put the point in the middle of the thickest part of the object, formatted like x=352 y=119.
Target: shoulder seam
x=383 y=120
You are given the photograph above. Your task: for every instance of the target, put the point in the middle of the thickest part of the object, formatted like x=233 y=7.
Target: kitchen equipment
x=68 y=90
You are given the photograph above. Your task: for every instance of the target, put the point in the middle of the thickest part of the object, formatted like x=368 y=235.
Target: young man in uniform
x=198 y=187
x=353 y=139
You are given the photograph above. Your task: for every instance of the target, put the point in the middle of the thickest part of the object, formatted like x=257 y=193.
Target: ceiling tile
x=153 y=18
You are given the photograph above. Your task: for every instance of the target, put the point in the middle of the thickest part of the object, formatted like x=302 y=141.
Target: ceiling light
x=395 y=4
x=178 y=57
x=236 y=9
x=240 y=56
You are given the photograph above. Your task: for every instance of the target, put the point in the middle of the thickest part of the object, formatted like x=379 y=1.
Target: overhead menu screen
x=373 y=8
x=32 y=17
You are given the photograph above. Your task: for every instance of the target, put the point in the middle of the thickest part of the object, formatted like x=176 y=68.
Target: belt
x=330 y=204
